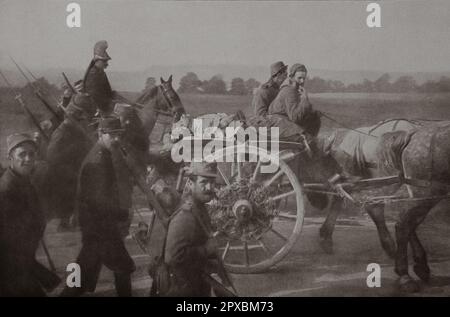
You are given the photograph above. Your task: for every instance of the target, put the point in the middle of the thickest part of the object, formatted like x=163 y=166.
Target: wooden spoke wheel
x=257 y=215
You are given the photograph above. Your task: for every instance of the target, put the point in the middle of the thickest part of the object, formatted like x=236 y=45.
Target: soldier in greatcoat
x=104 y=201
x=22 y=224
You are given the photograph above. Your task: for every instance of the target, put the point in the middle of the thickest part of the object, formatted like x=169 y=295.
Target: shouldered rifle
x=36 y=91
x=55 y=100
x=68 y=83
x=19 y=99
x=133 y=167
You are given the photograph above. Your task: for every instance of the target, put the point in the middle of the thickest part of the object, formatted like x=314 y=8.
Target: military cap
x=297 y=68
x=16 y=139
x=277 y=67
x=100 y=51
x=110 y=124
x=204 y=169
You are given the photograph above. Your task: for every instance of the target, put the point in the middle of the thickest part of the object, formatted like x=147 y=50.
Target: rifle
x=221 y=271
x=36 y=91
x=68 y=83
x=132 y=166
x=55 y=100
x=18 y=97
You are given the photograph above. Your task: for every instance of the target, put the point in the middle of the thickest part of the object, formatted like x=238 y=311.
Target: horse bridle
x=168 y=101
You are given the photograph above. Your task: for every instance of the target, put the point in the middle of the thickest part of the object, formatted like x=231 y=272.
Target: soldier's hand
x=109 y=141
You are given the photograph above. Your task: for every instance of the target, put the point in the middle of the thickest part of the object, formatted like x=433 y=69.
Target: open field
x=350 y=109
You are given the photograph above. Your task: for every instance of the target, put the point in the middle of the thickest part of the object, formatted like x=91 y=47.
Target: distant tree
x=444 y=84
x=382 y=84
x=366 y=86
x=189 y=83
x=216 y=85
x=150 y=83
x=251 y=84
x=335 y=86
x=404 y=84
x=316 y=84
x=237 y=87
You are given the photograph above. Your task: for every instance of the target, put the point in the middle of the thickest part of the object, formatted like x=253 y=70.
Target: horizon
x=323 y=35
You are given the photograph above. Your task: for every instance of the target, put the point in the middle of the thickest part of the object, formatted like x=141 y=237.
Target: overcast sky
x=323 y=34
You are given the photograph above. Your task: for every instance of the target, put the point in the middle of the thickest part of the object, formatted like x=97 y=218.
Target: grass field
x=351 y=109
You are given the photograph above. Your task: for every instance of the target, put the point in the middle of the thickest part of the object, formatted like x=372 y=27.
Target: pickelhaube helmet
x=100 y=51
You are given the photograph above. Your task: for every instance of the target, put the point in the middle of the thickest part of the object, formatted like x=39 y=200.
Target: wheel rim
x=267 y=237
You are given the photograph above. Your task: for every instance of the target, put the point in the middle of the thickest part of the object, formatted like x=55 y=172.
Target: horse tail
x=390 y=148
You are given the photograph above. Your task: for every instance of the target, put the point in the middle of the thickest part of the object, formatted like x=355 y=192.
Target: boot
x=123 y=284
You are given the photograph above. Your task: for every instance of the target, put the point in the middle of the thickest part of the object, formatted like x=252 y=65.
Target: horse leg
x=403 y=232
x=376 y=213
x=327 y=228
x=421 y=267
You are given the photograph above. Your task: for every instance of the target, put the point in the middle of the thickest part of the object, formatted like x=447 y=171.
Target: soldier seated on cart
x=291 y=109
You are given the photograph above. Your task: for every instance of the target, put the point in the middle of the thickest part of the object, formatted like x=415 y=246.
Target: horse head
x=160 y=100
x=172 y=101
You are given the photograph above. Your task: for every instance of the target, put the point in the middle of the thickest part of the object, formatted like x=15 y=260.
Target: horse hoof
x=423 y=272
x=408 y=285
x=327 y=245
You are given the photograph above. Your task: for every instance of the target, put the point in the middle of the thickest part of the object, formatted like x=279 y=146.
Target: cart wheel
x=257 y=216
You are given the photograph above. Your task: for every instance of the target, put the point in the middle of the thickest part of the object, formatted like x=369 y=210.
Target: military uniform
x=185 y=251
x=104 y=200
x=265 y=94
x=22 y=225
x=66 y=151
x=263 y=97
x=95 y=81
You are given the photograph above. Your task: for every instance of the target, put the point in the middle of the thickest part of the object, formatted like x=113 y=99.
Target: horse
x=418 y=152
x=138 y=122
x=160 y=99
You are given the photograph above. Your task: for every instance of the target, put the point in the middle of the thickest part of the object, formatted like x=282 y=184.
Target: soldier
x=104 y=199
x=292 y=108
x=188 y=245
x=68 y=146
x=268 y=91
x=95 y=81
x=22 y=224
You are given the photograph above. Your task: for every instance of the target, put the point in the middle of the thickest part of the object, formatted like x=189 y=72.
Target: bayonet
x=19 y=99
x=36 y=90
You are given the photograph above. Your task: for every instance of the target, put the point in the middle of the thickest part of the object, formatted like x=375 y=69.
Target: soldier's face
x=23 y=158
x=300 y=78
x=281 y=77
x=101 y=64
x=203 y=188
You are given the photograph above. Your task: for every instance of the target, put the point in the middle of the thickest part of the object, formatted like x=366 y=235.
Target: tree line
x=190 y=83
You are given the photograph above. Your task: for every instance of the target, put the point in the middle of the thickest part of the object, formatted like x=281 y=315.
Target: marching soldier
x=22 y=224
x=188 y=245
x=68 y=146
x=292 y=108
x=95 y=81
x=268 y=91
x=104 y=200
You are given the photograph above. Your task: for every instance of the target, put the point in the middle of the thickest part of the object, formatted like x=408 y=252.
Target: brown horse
x=138 y=124
x=422 y=154
x=159 y=99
